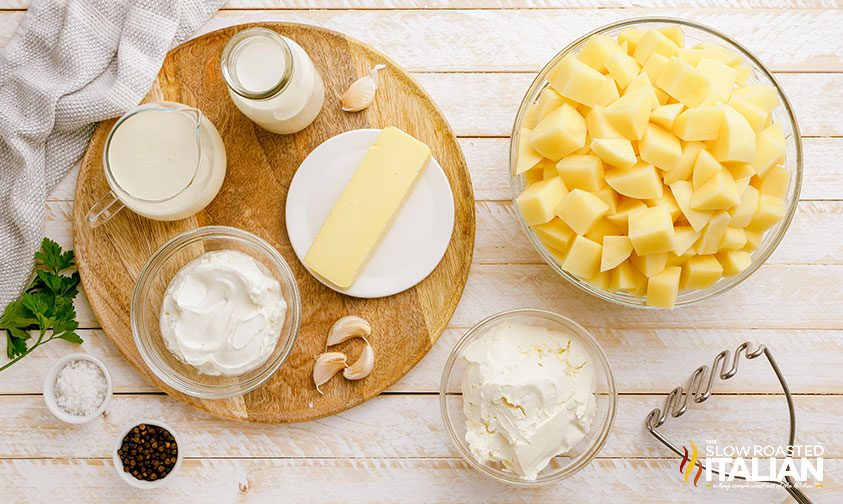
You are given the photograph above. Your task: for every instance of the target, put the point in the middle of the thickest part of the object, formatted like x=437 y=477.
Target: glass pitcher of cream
x=272 y=80
x=165 y=161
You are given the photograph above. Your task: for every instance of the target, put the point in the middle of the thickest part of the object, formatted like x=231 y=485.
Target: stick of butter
x=367 y=207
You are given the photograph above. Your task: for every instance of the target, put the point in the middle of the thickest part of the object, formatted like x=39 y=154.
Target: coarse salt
x=80 y=388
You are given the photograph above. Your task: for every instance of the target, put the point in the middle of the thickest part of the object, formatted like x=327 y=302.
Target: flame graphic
x=690 y=462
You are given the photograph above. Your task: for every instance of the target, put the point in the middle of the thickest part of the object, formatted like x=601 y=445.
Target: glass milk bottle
x=272 y=80
x=165 y=161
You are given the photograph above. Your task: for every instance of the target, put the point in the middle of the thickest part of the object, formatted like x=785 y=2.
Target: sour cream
x=222 y=313
x=528 y=396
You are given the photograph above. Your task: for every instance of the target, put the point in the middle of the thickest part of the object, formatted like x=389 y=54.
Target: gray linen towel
x=70 y=64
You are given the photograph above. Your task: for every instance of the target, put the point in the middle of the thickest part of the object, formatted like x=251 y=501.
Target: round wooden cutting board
x=260 y=168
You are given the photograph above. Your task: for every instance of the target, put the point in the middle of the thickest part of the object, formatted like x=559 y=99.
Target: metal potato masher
x=699 y=389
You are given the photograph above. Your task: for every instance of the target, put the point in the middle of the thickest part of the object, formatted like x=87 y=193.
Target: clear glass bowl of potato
x=655 y=162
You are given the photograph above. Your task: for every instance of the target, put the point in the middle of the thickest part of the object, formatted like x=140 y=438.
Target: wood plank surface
x=812 y=370
x=404 y=426
x=439 y=41
x=409 y=481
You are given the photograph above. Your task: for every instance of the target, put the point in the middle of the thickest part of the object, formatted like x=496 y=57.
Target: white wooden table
x=476 y=58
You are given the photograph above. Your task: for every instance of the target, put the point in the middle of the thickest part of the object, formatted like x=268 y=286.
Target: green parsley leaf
x=46 y=305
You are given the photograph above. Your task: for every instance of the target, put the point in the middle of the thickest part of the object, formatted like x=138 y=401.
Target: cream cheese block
x=368 y=205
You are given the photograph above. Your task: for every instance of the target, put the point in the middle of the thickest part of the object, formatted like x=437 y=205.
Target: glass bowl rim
x=605 y=368
x=153 y=266
x=721 y=286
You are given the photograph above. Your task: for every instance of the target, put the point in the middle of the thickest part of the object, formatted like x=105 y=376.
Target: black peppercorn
x=148 y=452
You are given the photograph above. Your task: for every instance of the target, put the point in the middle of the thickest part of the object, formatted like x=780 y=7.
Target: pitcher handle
x=107 y=207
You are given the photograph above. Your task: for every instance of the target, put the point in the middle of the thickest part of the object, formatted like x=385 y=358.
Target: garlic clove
x=362 y=366
x=348 y=327
x=326 y=366
x=361 y=93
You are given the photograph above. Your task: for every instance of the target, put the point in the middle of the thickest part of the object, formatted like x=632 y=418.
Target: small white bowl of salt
x=77 y=388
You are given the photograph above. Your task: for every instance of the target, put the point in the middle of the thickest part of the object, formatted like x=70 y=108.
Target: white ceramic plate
x=414 y=244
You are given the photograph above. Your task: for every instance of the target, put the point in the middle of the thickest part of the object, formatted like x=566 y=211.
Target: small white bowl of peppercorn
x=147 y=454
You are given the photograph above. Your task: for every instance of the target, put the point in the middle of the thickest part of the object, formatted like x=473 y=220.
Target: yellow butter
x=367 y=207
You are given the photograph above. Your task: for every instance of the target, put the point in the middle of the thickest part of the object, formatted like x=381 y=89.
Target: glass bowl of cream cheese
x=528 y=397
x=215 y=312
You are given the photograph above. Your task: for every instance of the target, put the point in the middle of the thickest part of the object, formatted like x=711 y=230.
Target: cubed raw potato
x=674 y=33
x=601 y=280
x=622 y=277
x=761 y=95
x=684 y=82
x=538 y=203
x=743 y=213
x=775 y=182
x=654 y=41
x=560 y=133
x=660 y=148
x=548 y=169
x=625 y=208
x=555 y=234
x=675 y=260
x=581 y=172
x=721 y=75
x=669 y=203
x=744 y=71
x=734 y=239
x=549 y=100
x=610 y=92
x=736 y=140
x=602 y=229
x=598 y=124
x=581 y=210
x=640 y=181
x=598 y=50
x=682 y=193
x=651 y=231
x=719 y=53
x=579 y=82
x=531 y=117
x=649 y=265
x=585 y=149
x=754 y=115
x=654 y=66
x=770 y=211
x=713 y=233
x=740 y=171
x=734 y=261
x=685 y=167
x=704 y=169
x=583 y=258
x=623 y=68
x=700 y=272
x=702 y=123
x=770 y=149
x=609 y=196
x=616 y=249
x=685 y=238
x=753 y=240
x=617 y=152
x=642 y=83
x=665 y=115
x=533 y=175
x=527 y=155
x=630 y=114
x=630 y=37
x=663 y=287
x=691 y=56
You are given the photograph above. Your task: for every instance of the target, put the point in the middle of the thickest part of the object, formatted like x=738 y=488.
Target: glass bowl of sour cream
x=528 y=397
x=215 y=312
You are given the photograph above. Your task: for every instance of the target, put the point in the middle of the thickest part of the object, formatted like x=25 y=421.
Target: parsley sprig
x=46 y=306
